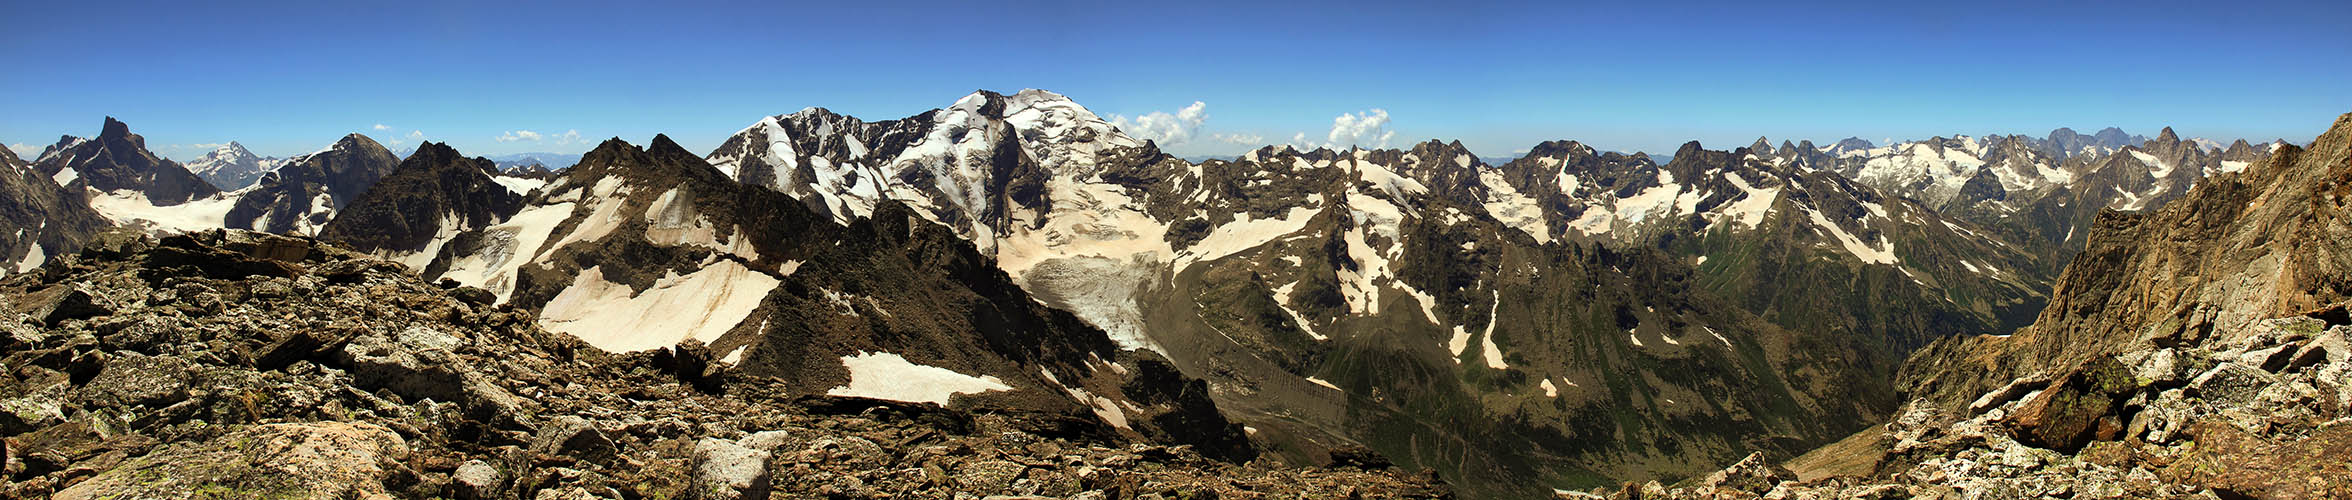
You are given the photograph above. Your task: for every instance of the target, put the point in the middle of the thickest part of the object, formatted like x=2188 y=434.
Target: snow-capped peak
x=1059 y=132
x=232 y=166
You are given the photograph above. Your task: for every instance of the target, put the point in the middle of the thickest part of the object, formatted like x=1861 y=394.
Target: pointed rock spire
x=114 y=129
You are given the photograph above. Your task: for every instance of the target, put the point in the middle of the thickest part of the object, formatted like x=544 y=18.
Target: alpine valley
x=1011 y=295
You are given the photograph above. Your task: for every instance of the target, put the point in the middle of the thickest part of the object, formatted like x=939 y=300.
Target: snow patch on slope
x=882 y=375
x=33 y=257
x=1243 y=234
x=518 y=185
x=1868 y=253
x=701 y=305
x=1282 y=300
x=132 y=208
x=1516 y=210
x=1749 y=210
x=506 y=247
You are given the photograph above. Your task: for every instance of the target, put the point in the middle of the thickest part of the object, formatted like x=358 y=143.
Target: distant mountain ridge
x=518 y=162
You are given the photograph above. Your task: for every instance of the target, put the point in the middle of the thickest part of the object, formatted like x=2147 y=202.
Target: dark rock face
x=119 y=160
x=39 y=220
x=409 y=207
x=303 y=194
x=1854 y=143
x=2112 y=137
x=90 y=409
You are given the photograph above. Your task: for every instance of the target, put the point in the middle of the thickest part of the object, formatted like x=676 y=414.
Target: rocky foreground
x=239 y=365
x=2263 y=417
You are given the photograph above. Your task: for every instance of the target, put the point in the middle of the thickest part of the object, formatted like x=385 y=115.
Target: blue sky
x=286 y=78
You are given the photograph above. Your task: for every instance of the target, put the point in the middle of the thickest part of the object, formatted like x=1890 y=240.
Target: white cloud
x=1299 y=142
x=1369 y=129
x=567 y=137
x=25 y=150
x=1163 y=128
x=1252 y=140
x=204 y=146
x=382 y=127
x=518 y=135
x=416 y=134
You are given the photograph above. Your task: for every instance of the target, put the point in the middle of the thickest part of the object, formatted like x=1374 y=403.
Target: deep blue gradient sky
x=286 y=78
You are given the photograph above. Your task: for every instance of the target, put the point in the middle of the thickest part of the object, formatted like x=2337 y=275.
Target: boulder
x=488 y=403
x=575 y=437
x=2010 y=392
x=987 y=476
x=300 y=345
x=474 y=295
x=1753 y=474
x=476 y=480
x=2072 y=411
x=2164 y=367
x=2329 y=347
x=62 y=302
x=725 y=470
x=2230 y=383
x=567 y=493
x=2270 y=359
x=137 y=379
x=324 y=461
x=17 y=336
x=2237 y=464
x=29 y=413
x=768 y=441
x=407 y=366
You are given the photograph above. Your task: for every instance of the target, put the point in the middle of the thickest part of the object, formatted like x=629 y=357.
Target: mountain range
x=1560 y=320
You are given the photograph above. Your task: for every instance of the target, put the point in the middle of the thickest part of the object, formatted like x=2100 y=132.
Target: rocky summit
x=231 y=364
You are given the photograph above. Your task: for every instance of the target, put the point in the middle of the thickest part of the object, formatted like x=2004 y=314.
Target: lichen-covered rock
x=575 y=437
x=476 y=480
x=2078 y=407
x=133 y=379
x=2230 y=383
x=326 y=461
x=724 y=470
